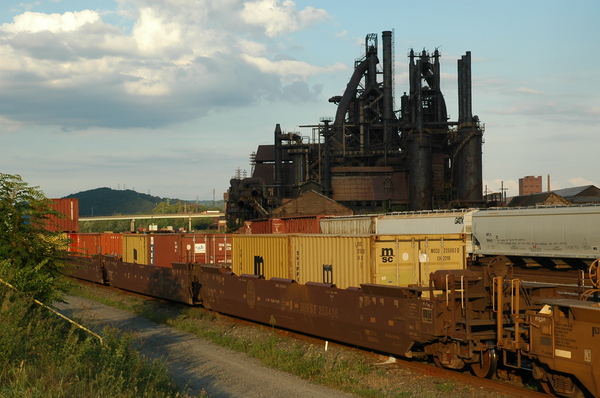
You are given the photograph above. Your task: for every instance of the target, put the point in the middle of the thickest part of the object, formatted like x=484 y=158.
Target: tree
x=30 y=255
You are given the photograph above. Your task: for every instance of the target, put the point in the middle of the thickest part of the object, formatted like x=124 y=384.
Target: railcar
x=390 y=295
x=562 y=236
x=463 y=318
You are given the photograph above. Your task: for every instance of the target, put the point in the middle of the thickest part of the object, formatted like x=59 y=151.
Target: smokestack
x=465 y=113
x=388 y=79
x=278 y=162
x=548 y=182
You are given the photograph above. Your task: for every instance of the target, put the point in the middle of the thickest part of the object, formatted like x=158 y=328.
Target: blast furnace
x=371 y=157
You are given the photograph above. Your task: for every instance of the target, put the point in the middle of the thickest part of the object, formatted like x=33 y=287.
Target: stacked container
x=267 y=255
x=403 y=260
x=284 y=225
x=89 y=244
x=348 y=260
x=137 y=249
x=163 y=250
x=70 y=222
x=342 y=260
x=206 y=248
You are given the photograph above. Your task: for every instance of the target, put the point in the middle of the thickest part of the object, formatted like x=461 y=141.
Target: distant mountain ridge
x=109 y=202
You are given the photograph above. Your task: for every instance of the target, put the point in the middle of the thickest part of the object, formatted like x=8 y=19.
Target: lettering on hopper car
x=562 y=337
x=595 y=331
x=308 y=308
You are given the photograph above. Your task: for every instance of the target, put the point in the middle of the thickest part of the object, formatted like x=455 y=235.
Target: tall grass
x=42 y=355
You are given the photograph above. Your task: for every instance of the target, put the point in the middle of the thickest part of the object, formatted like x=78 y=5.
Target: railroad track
x=509 y=384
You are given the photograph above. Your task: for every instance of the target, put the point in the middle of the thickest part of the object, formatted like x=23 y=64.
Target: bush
x=44 y=356
x=30 y=255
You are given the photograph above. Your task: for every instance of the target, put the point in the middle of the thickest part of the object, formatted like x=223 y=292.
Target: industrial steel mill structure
x=372 y=157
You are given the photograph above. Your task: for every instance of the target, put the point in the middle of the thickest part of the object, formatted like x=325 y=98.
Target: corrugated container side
x=136 y=249
x=111 y=243
x=167 y=249
x=355 y=225
x=301 y=225
x=219 y=248
x=68 y=207
x=343 y=260
x=402 y=260
x=86 y=245
x=195 y=249
x=74 y=241
x=206 y=248
x=266 y=255
x=264 y=226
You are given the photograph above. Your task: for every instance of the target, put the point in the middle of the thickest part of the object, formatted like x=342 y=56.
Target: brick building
x=530 y=185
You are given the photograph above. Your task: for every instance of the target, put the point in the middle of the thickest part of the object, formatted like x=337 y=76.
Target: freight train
x=422 y=300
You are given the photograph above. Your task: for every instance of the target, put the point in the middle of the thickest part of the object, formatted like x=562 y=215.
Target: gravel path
x=197 y=364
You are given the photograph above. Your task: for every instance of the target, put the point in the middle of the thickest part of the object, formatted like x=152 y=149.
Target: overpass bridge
x=132 y=218
x=151 y=216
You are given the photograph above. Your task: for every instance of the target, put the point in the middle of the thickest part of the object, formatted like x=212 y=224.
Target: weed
x=445 y=387
x=43 y=356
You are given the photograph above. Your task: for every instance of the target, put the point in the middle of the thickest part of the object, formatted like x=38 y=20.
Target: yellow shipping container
x=137 y=249
x=262 y=254
x=343 y=260
x=402 y=260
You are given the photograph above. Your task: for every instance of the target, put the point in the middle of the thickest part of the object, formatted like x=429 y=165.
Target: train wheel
x=487 y=364
x=593 y=272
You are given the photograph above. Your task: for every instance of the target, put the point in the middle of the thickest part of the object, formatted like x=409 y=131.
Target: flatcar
x=481 y=317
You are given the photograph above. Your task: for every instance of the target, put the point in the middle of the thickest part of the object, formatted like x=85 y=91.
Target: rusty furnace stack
x=371 y=157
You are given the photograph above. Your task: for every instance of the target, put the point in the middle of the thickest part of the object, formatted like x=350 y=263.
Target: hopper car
x=480 y=318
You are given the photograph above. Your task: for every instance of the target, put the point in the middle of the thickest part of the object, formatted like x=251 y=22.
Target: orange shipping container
x=207 y=248
x=167 y=249
x=89 y=244
x=70 y=222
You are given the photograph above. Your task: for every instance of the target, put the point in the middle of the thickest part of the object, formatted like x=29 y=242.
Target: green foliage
x=44 y=356
x=105 y=225
x=198 y=224
x=30 y=255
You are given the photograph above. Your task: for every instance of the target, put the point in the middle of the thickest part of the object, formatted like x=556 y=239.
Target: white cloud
x=579 y=181
x=280 y=17
x=9 y=126
x=35 y=22
x=527 y=90
x=178 y=60
x=151 y=32
x=290 y=67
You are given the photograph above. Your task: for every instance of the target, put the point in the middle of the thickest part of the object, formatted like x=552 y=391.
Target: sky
x=171 y=97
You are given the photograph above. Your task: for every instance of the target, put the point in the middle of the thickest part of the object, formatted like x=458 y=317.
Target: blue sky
x=170 y=97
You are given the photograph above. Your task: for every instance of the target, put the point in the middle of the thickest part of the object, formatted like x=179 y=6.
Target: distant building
x=530 y=185
x=309 y=204
x=580 y=195
x=538 y=199
x=568 y=196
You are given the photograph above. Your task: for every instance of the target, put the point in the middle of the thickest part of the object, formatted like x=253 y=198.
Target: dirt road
x=198 y=364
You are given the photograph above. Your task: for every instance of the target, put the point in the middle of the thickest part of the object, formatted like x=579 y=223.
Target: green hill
x=110 y=202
